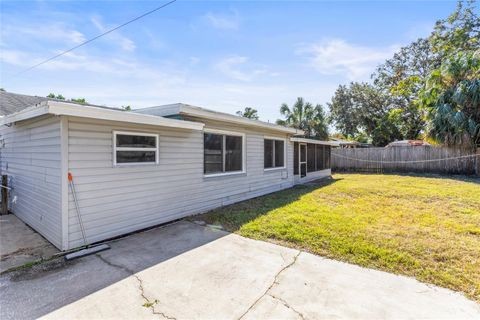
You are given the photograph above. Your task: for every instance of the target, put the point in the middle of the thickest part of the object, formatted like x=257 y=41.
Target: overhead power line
x=93 y=39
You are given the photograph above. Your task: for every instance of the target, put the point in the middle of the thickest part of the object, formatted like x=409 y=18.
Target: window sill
x=226 y=174
x=274 y=169
x=135 y=164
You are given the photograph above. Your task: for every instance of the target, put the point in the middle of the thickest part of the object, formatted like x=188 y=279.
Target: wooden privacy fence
x=420 y=159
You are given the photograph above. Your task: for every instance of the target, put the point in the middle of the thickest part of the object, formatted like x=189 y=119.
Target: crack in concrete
x=285 y=303
x=275 y=281
x=151 y=305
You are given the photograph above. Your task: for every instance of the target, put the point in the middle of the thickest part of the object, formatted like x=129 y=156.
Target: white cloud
x=339 y=57
x=43 y=32
x=235 y=67
x=124 y=42
x=230 y=21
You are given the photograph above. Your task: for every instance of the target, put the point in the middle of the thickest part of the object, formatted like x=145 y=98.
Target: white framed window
x=274 y=153
x=224 y=152
x=134 y=148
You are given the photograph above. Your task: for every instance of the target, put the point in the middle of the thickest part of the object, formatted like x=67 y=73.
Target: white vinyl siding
x=31 y=157
x=115 y=200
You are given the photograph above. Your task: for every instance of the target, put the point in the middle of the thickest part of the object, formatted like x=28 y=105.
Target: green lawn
x=422 y=226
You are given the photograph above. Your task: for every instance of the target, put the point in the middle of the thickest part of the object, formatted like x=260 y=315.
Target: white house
x=134 y=170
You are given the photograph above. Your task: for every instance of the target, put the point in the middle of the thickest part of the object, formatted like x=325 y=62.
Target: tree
x=126 y=108
x=402 y=78
x=362 y=109
x=249 y=113
x=452 y=96
x=460 y=32
x=79 y=100
x=304 y=116
x=58 y=96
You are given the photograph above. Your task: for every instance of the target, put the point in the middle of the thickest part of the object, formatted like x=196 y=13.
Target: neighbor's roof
x=188 y=110
x=406 y=143
x=95 y=112
x=314 y=141
x=14 y=102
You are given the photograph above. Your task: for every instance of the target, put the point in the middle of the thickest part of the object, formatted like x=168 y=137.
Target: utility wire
x=92 y=39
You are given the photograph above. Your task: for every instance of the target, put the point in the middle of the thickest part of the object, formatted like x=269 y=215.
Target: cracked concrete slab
x=271 y=308
x=188 y=271
x=120 y=301
x=322 y=288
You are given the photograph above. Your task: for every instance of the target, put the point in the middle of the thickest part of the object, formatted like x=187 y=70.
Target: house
x=351 y=144
x=408 y=143
x=134 y=170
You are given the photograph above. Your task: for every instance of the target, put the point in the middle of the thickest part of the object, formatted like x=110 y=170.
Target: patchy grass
x=427 y=227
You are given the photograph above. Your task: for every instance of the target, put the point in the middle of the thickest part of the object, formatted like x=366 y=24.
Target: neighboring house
x=134 y=170
x=408 y=143
x=351 y=144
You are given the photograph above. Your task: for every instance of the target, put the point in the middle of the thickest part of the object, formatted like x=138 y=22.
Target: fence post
x=477 y=162
x=4 y=209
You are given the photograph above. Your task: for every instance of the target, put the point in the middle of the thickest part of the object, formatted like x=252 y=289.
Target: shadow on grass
x=458 y=177
x=233 y=217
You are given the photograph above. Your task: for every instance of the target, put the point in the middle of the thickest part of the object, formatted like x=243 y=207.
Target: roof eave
x=219 y=116
x=306 y=140
x=67 y=109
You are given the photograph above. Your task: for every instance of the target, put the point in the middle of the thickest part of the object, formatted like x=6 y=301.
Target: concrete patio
x=20 y=244
x=188 y=271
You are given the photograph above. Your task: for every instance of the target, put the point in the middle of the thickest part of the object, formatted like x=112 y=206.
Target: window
x=273 y=153
x=134 y=148
x=223 y=153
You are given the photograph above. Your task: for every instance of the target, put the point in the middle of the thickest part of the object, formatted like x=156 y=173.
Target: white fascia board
x=224 y=117
x=74 y=110
x=27 y=113
x=313 y=141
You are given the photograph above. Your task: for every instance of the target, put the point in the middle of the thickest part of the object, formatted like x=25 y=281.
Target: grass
x=427 y=227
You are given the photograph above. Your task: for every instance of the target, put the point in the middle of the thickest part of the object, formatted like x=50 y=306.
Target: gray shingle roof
x=13 y=102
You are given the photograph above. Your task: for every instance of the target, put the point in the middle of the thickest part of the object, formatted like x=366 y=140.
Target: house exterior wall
x=311 y=176
x=117 y=200
x=31 y=157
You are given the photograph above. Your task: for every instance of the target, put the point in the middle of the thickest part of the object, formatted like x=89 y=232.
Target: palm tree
x=249 y=113
x=452 y=95
x=304 y=116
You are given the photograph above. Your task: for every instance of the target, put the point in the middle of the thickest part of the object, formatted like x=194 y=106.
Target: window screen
x=222 y=153
x=320 y=157
x=311 y=165
x=213 y=153
x=233 y=153
x=279 y=153
x=273 y=153
x=268 y=153
x=132 y=148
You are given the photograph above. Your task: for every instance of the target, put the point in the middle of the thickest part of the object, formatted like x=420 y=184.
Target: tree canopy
x=306 y=117
x=405 y=99
x=249 y=113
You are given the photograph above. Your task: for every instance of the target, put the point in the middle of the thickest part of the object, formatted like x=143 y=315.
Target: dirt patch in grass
x=427 y=227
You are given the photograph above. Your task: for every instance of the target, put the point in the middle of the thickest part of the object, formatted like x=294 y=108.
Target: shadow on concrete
x=36 y=291
x=51 y=285
x=20 y=244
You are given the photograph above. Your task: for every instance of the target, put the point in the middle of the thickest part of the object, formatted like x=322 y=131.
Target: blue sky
x=218 y=54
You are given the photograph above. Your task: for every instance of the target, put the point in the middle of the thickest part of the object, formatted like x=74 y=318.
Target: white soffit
x=85 y=111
